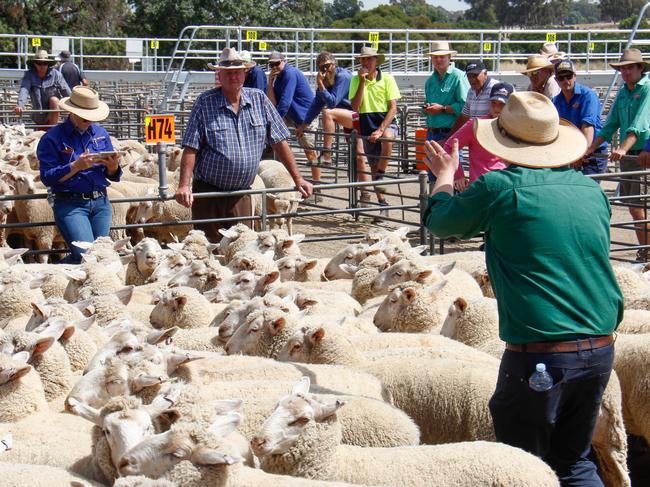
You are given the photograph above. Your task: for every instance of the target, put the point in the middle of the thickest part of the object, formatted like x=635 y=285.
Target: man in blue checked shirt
x=580 y=105
x=223 y=145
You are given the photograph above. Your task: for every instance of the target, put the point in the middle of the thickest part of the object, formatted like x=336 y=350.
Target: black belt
x=563 y=347
x=91 y=195
x=438 y=130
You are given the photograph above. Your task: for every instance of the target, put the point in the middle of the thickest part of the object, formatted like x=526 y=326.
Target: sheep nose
x=257 y=443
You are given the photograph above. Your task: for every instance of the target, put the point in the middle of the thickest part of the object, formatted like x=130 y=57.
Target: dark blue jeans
x=81 y=221
x=556 y=425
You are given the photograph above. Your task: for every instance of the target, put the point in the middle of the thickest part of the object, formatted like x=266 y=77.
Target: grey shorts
x=633 y=185
x=372 y=150
x=308 y=140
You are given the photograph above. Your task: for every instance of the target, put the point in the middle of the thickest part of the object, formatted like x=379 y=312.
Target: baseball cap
x=65 y=55
x=565 y=65
x=475 y=67
x=501 y=92
x=276 y=56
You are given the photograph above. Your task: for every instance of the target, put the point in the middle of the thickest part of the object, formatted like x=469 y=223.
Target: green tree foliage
x=342 y=9
x=583 y=12
x=615 y=10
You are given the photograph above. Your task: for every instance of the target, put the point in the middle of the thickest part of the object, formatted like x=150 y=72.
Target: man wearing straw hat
x=630 y=115
x=445 y=92
x=223 y=144
x=374 y=94
x=547 y=252
x=540 y=72
x=45 y=86
x=76 y=159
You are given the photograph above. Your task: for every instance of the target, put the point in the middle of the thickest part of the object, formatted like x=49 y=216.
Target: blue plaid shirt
x=230 y=145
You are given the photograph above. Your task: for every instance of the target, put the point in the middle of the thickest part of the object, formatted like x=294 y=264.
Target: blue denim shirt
x=292 y=94
x=582 y=109
x=335 y=96
x=41 y=90
x=62 y=145
x=256 y=78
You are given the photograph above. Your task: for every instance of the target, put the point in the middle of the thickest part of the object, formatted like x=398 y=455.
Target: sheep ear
x=307 y=303
x=419 y=249
x=74 y=274
x=166 y=419
x=228 y=233
x=21 y=357
x=277 y=325
x=41 y=345
x=372 y=251
x=85 y=324
x=223 y=406
x=271 y=277
x=175 y=360
x=327 y=410
x=40 y=310
x=422 y=275
x=125 y=294
x=447 y=268
x=157 y=336
x=461 y=304
x=226 y=424
x=245 y=264
x=120 y=244
x=437 y=286
x=409 y=294
x=402 y=232
x=144 y=380
x=350 y=269
x=208 y=456
x=301 y=388
x=84 y=410
x=38 y=282
x=176 y=247
x=59 y=329
x=82 y=245
x=317 y=335
x=14 y=373
x=211 y=295
x=179 y=301
x=127 y=259
x=310 y=264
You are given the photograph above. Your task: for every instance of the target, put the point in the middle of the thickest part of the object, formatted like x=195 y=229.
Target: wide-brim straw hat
x=631 y=56
x=441 y=48
x=537 y=62
x=530 y=133
x=43 y=56
x=85 y=103
x=370 y=52
x=230 y=59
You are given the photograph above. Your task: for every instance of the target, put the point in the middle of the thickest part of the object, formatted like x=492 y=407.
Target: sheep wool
x=22 y=396
x=184 y=307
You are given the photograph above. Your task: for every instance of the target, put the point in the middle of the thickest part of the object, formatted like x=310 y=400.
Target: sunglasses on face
x=275 y=64
x=564 y=77
x=324 y=67
x=41 y=63
x=229 y=64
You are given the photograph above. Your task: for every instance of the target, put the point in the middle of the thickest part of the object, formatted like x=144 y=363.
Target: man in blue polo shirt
x=289 y=91
x=580 y=105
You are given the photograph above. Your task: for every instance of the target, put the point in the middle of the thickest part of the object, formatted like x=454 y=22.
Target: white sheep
x=303 y=437
x=299 y=269
x=92 y=277
x=184 y=307
x=202 y=275
x=148 y=254
x=275 y=175
x=21 y=390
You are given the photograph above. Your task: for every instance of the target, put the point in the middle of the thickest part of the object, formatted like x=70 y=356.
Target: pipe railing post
x=424 y=199
x=162 y=170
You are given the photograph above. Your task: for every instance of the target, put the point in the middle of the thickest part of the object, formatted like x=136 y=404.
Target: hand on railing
x=18 y=110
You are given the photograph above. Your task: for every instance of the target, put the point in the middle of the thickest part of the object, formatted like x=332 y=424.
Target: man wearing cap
x=630 y=115
x=223 y=143
x=580 y=105
x=45 y=86
x=540 y=72
x=374 y=96
x=75 y=174
x=289 y=91
x=547 y=253
x=70 y=71
x=478 y=97
x=445 y=92
x=480 y=160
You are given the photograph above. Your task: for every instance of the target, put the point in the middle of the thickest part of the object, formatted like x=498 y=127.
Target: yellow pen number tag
x=159 y=128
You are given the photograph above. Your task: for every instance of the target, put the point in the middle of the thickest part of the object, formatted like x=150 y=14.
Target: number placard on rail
x=263 y=46
x=373 y=37
x=592 y=46
x=251 y=35
x=36 y=42
x=487 y=46
x=154 y=44
x=159 y=128
x=551 y=37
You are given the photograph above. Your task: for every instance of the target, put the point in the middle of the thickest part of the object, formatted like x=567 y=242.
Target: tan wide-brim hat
x=42 y=56
x=441 y=48
x=370 y=52
x=530 y=133
x=537 y=62
x=230 y=59
x=631 y=56
x=85 y=103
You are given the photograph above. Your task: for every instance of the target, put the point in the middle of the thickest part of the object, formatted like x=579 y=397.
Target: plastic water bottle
x=540 y=380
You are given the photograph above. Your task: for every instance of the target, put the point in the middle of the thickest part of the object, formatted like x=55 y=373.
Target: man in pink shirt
x=480 y=160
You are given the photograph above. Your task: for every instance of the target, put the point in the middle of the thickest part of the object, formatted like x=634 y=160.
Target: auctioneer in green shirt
x=547 y=250
x=631 y=113
x=451 y=90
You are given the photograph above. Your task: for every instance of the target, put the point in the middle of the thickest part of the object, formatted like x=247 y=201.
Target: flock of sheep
x=146 y=366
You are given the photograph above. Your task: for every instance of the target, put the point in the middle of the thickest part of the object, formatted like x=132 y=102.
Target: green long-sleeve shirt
x=451 y=90
x=547 y=250
x=630 y=113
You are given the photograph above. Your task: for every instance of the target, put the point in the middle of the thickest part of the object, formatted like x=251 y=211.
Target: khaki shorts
x=307 y=141
x=633 y=185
